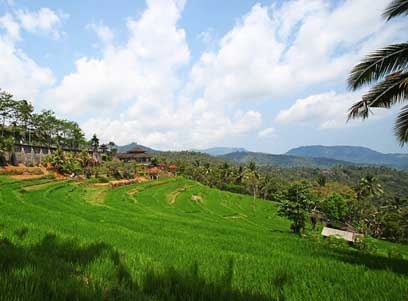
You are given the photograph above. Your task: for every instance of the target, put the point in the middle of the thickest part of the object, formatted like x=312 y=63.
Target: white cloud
x=141 y=71
x=267 y=133
x=11 y=27
x=275 y=51
x=43 y=21
x=20 y=75
x=139 y=90
x=141 y=80
x=200 y=130
x=103 y=32
x=328 y=110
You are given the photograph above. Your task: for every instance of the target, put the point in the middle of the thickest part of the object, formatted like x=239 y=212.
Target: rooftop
x=136 y=150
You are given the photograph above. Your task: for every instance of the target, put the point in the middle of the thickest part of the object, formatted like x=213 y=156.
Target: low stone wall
x=31 y=155
x=34 y=155
x=27 y=154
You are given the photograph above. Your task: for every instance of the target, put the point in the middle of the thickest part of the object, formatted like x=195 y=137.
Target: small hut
x=153 y=173
x=173 y=168
x=346 y=235
x=137 y=155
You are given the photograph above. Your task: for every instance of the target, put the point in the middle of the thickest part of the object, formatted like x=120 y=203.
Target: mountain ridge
x=265 y=159
x=354 y=154
x=220 y=150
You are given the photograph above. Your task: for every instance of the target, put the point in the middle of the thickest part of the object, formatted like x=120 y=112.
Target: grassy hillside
x=173 y=240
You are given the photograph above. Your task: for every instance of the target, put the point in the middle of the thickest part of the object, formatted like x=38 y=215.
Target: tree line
x=21 y=124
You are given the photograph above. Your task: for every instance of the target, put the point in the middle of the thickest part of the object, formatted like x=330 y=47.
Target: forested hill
x=355 y=154
x=283 y=160
x=220 y=151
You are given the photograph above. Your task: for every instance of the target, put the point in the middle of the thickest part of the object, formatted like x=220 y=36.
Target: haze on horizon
x=172 y=74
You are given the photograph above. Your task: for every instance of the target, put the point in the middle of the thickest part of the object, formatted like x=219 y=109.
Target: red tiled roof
x=153 y=170
x=135 y=150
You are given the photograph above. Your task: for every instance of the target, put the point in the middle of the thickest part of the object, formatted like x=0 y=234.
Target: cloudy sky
x=173 y=74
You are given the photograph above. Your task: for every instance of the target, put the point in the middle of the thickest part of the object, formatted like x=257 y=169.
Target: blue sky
x=174 y=74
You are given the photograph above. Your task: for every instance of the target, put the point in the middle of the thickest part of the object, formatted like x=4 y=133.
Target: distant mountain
x=127 y=147
x=283 y=160
x=219 y=151
x=355 y=154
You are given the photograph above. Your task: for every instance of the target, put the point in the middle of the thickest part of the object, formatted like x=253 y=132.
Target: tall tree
x=24 y=112
x=7 y=106
x=95 y=142
x=389 y=66
x=251 y=178
x=297 y=204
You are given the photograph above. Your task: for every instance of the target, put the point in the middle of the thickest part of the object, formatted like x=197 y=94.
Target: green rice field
x=175 y=239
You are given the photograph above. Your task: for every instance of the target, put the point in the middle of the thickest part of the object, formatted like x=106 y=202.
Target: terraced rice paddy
x=173 y=239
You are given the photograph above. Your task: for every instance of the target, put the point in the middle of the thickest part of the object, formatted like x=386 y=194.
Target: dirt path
x=41 y=186
x=172 y=196
x=197 y=198
x=26 y=177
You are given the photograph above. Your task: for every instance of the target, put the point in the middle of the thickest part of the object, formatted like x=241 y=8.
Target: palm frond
x=378 y=64
x=401 y=126
x=388 y=92
x=383 y=95
x=396 y=8
x=358 y=110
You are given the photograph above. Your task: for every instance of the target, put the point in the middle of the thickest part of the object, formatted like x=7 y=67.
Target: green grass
x=173 y=239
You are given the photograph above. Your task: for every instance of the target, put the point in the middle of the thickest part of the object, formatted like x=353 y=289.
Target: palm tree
x=389 y=66
x=369 y=187
x=94 y=143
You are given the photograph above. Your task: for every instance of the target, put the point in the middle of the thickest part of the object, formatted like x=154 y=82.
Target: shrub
x=394 y=253
x=335 y=207
x=365 y=245
x=65 y=163
x=103 y=180
x=335 y=243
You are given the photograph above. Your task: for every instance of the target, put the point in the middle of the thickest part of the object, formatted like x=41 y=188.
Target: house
x=137 y=155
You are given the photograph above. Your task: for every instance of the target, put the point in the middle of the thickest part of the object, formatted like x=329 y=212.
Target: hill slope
x=353 y=154
x=172 y=239
x=282 y=160
x=219 y=151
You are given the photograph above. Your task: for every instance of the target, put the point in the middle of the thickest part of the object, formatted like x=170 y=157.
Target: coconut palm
x=389 y=66
x=369 y=187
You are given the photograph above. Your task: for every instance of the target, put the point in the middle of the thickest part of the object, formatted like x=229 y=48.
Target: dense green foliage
x=19 y=122
x=175 y=239
x=296 y=205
